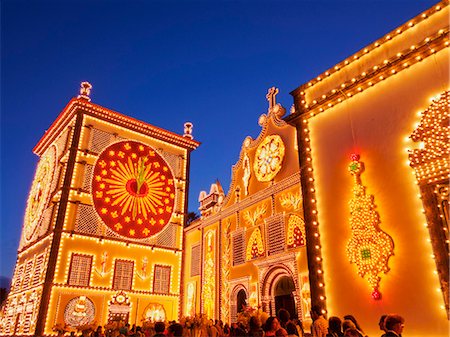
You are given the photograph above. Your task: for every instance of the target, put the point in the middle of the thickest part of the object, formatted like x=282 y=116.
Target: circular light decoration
x=79 y=311
x=39 y=193
x=133 y=189
x=268 y=158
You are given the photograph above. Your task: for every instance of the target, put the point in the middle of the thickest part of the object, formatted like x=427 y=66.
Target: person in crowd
x=125 y=329
x=319 y=327
x=254 y=327
x=347 y=324
x=299 y=326
x=281 y=332
x=271 y=327
x=212 y=330
x=292 y=329
x=219 y=326
x=139 y=332
x=160 y=327
x=226 y=330
x=175 y=330
x=381 y=325
x=352 y=332
x=394 y=325
x=239 y=332
x=283 y=317
x=334 y=327
x=358 y=327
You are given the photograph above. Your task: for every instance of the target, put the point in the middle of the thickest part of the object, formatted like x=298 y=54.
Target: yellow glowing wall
x=379 y=118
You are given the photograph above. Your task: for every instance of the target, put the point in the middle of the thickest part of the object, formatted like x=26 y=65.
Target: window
x=195 y=260
x=161 y=279
x=17 y=278
x=80 y=270
x=238 y=248
x=123 y=275
x=38 y=267
x=27 y=274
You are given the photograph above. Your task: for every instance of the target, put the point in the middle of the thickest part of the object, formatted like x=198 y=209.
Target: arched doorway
x=241 y=300
x=283 y=294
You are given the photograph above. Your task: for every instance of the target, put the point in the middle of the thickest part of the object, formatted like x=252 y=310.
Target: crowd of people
x=391 y=325
x=274 y=326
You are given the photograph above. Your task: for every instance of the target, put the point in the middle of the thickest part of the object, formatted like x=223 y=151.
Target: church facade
x=248 y=248
x=102 y=235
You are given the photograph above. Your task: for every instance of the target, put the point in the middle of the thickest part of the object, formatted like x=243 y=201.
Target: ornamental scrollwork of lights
x=369 y=247
x=255 y=246
x=252 y=217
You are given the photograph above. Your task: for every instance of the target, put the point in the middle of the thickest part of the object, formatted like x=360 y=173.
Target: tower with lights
x=102 y=234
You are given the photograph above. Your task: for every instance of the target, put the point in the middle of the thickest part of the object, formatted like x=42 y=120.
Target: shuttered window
x=195 y=260
x=161 y=280
x=123 y=275
x=80 y=270
x=238 y=248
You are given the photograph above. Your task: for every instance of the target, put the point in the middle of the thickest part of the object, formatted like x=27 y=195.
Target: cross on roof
x=271 y=97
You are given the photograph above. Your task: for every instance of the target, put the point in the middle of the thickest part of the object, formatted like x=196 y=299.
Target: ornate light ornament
x=39 y=193
x=268 y=158
x=226 y=266
x=79 y=311
x=255 y=246
x=431 y=161
x=252 y=218
x=369 y=247
x=209 y=285
x=190 y=299
x=431 y=164
x=133 y=189
x=296 y=232
x=247 y=173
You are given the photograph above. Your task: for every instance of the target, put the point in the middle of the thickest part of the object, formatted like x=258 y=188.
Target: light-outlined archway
x=269 y=281
x=234 y=300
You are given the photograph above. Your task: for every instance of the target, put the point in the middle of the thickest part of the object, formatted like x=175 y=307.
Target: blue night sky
x=167 y=62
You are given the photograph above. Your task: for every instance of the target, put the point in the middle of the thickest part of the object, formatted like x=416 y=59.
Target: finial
x=188 y=130
x=271 y=97
x=85 y=91
x=292 y=110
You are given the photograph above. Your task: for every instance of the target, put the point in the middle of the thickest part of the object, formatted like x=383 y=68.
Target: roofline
x=367 y=49
x=95 y=110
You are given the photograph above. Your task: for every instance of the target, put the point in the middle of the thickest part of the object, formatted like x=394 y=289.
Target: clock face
x=133 y=189
x=39 y=193
x=268 y=158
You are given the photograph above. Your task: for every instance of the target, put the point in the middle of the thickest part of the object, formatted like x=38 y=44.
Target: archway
x=241 y=300
x=239 y=294
x=280 y=288
x=283 y=294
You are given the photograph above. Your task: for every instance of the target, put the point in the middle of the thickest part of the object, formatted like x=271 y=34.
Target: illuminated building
x=362 y=229
x=380 y=229
x=249 y=245
x=102 y=235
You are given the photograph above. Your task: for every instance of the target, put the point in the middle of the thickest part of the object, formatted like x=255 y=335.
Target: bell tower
x=103 y=227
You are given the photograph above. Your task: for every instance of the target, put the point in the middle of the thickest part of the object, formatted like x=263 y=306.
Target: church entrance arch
x=280 y=290
x=283 y=294
x=239 y=296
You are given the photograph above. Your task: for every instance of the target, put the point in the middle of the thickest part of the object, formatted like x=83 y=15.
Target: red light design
x=376 y=295
x=133 y=189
